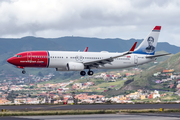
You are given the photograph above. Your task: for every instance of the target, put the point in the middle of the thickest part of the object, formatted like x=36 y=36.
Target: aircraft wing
x=101 y=62
x=153 y=56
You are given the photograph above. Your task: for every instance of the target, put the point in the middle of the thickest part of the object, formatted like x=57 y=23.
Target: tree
x=11 y=96
x=32 y=87
x=40 y=74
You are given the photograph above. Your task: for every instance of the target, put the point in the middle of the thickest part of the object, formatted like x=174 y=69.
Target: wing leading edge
x=104 y=61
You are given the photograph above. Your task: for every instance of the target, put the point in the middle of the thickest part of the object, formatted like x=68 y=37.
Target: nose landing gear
x=23 y=72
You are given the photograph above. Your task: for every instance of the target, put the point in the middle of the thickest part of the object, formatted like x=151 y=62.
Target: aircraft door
x=135 y=59
x=29 y=56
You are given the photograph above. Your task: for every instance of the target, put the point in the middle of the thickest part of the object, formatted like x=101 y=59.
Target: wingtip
x=86 y=49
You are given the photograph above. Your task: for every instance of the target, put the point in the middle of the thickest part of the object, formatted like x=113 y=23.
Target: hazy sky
x=90 y=18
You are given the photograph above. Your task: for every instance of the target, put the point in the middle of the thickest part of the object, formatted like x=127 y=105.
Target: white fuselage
x=59 y=59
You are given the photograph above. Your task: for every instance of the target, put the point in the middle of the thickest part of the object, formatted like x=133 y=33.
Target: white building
x=156 y=94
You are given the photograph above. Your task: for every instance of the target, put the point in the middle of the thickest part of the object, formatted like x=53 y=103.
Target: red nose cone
x=10 y=60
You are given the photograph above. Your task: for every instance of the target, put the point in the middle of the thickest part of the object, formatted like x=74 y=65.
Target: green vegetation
x=100 y=85
x=117 y=84
x=56 y=112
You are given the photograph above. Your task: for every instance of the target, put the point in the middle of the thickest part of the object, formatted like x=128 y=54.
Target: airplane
x=78 y=61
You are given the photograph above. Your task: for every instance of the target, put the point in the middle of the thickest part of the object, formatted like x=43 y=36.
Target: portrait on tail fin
x=150 y=47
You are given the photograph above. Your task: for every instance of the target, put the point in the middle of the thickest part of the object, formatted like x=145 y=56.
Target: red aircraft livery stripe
x=157 y=28
x=33 y=59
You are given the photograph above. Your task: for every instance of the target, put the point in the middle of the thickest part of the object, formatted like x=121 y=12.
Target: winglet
x=128 y=52
x=85 y=50
x=133 y=47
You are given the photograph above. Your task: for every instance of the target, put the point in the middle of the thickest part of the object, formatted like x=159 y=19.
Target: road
x=91 y=107
x=99 y=117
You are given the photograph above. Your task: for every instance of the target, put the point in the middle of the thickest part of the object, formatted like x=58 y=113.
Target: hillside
x=146 y=80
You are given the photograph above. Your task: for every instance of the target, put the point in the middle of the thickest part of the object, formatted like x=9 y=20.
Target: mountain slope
x=146 y=79
x=75 y=44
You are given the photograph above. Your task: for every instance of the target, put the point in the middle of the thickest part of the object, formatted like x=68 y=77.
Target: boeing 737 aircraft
x=78 y=61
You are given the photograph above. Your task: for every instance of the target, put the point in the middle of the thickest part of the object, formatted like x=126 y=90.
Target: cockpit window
x=17 y=55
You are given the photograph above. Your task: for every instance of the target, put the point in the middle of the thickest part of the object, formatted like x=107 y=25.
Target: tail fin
x=148 y=45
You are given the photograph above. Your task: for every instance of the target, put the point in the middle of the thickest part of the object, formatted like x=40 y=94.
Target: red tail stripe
x=157 y=28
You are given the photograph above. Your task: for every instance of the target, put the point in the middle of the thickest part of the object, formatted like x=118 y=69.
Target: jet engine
x=73 y=66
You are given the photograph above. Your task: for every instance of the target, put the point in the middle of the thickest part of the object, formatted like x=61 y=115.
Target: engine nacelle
x=73 y=66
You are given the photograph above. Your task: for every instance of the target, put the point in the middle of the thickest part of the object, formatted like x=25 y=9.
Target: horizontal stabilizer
x=153 y=56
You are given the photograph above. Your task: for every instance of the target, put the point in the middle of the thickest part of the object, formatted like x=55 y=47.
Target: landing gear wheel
x=83 y=73
x=23 y=72
x=90 y=72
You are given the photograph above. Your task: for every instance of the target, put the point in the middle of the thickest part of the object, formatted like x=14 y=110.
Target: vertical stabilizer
x=149 y=44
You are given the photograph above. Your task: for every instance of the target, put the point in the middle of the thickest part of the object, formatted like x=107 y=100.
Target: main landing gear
x=23 y=72
x=83 y=73
x=90 y=72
